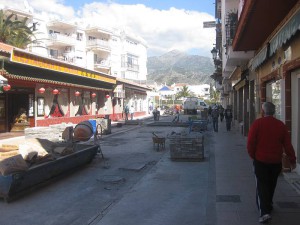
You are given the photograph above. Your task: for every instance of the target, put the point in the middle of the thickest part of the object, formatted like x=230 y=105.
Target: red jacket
x=267 y=138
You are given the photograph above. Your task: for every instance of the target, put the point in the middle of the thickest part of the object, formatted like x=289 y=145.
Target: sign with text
x=33 y=60
x=209 y=24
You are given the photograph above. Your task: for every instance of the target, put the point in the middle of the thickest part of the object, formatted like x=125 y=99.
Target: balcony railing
x=129 y=66
x=230 y=27
x=102 y=63
x=54 y=37
x=98 y=43
x=63 y=57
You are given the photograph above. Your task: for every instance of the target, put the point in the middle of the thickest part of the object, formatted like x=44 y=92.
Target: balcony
x=59 y=40
x=65 y=56
x=102 y=63
x=233 y=58
x=258 y=19
x=98 y=44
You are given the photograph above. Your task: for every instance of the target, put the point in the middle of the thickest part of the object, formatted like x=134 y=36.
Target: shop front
x=45 y=92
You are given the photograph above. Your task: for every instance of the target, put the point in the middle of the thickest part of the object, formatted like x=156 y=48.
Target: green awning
x=285 y=33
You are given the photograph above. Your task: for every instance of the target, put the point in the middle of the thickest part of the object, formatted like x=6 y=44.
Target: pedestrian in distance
x=126 y=111
x=156 y=113
x=228 y=118
x=215 y=117
x=209 y=113
x=221 y=113
x=268 y=139
x=131 y=111
x=176 y=118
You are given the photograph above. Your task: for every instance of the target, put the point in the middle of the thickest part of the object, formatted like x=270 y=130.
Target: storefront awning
x=259 y=58
x=240 y=84
x=285 y=33
x=31 y=74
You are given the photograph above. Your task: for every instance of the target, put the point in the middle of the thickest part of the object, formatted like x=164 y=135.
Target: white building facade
x=108 y=50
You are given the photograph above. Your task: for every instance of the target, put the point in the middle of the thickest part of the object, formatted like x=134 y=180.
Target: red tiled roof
x=41 y=80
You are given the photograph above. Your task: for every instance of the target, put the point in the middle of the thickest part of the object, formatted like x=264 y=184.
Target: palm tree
x=15 y=32
x=215 y=96
x=184 y=92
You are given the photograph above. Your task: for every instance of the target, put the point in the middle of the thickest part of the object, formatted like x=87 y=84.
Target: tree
x=215 y=96
x=184 y=92
x=15 y=32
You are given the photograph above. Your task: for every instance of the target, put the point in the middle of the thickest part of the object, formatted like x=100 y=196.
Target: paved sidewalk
x=217 y=191
x=235 y=185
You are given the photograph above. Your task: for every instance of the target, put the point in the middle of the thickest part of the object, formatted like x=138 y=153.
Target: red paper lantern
x=77 y=93
x=93 y=95
x=6 y=87
x=107 y=96
x=41 y=90
x=55 y=91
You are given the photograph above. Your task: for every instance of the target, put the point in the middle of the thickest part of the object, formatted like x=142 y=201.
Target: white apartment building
x=110 y=51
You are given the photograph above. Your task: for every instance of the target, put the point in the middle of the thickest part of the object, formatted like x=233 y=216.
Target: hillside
x=178 y=67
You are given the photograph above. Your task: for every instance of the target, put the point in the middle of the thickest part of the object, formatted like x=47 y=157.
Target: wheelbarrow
x=158 y=142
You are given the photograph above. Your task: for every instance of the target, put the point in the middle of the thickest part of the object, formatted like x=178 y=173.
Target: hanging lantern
x=6 y=87
x=93 y=95
x=107 y=96
x=55 y=91
x=77 y=93
x=41 y=90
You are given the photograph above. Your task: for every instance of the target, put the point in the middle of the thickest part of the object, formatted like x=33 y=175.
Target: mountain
x=178 y=67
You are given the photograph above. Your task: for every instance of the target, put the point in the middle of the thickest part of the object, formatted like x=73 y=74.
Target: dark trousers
x=215 y=124
x=266 y=179
x=228 y=124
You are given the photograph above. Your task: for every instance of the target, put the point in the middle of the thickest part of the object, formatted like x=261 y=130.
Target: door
x=295 y=77
x=3 y=127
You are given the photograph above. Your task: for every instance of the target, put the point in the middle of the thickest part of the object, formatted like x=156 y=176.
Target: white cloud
x=163 y=30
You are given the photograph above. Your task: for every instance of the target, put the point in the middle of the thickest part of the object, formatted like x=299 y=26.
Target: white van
x=202 y=105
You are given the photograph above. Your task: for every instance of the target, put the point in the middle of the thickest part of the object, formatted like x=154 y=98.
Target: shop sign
x=33 y=60
x=209 y=24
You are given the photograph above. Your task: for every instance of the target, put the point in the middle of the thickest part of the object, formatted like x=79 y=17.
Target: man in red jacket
x=267 y=138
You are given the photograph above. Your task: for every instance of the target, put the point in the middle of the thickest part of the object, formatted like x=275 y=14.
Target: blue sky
x=197 y=5
x=164 y=25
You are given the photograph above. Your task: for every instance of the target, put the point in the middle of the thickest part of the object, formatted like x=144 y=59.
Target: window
x=132 y=61
x=79 y=36
x=273 y=94
x=53 y=53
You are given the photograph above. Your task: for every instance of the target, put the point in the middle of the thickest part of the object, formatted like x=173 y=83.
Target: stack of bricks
x=187 y=147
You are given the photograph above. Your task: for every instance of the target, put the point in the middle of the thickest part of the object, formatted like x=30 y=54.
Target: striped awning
x=285 y=33
x=259 y=58
x=52 y=82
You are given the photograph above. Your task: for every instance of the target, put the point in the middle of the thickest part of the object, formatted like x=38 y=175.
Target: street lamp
x=214 y=53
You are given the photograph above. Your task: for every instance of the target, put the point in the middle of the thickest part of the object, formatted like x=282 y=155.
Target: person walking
x=221 y=113
x=126 y=111
x=176 y=118
x=228 y=118
x=215 y=118
x=267 y=138
x=131 y=111
x=209 y=110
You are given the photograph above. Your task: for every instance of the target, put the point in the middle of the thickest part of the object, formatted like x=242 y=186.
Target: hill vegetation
x=179 y=67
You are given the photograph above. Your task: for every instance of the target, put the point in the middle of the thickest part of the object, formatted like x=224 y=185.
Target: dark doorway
x=3 y=113
x=15 y=103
